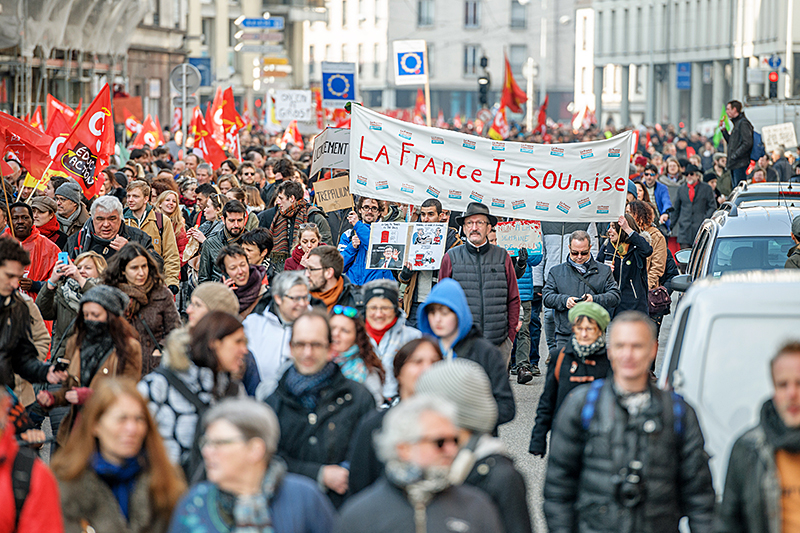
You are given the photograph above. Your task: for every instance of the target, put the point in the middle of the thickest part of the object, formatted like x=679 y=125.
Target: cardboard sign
x=333 y=194
x=778 y=135
x=331 y=150
x=517 y=234
x=408 y=163
x=392 y=244
x=293 y=105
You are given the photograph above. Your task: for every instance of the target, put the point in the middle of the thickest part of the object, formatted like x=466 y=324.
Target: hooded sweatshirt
x=470 y=344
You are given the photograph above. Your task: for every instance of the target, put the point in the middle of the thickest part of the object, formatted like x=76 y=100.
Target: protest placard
x=408 y=163
x=392 y=244
x=778 y=135
x=331 y=150
x=293 y=105
x=333 y=194
x=517 y=234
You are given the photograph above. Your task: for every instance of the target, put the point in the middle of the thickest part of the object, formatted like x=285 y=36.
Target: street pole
x=543 y=56
x=427 y=89
x=529 y=105
x=183 y=109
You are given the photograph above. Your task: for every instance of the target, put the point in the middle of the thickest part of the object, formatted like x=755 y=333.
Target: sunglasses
x=649 y=174
x=439 y=443
x=307 y=225
x=349 y=312
x=578 y=253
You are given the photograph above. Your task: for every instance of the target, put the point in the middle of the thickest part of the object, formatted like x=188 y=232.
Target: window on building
x=360 y=59
x=425 y=12
x=472 y=53
x=376 y=61
x=519 y=15
x=344 y=13
x=472 y=14
x=208 y=33
x=517 y=55
x=311 y=61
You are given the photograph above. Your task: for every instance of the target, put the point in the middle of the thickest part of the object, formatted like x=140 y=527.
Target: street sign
x=272 y=23
x=259 y=48
x=293 y=105
x=191 y=101
x=338 y=84
x=275 y=74
x=203 y=64
x=484 y=115
x=264 y=37
x=189 y=82
x=684 y=80
x=774 y=61
x=276 y=61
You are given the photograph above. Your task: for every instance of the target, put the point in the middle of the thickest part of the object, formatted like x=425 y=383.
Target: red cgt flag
x=55 y=106
x=30 y=146
x=232 y=123
x=148 y=135
x=37 y=121
x=90 y=146
x=214 y=118
x=513 y=97
x=177 y=120
x=206 y=147
x=58 y=124
x=292 y=135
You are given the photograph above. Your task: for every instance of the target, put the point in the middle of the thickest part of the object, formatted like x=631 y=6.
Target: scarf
x=188 y=203
x=72 y=293
x=691 y=190
x=582 y=268
x=351 y=365
x=307 y=389
x=331 y=296
x=249 y=293
x=298 y=213
x=420 y=486
x=377 y=334
x=121 y=479
x=251 y=513
x=49 y=229
x=633 y=402
x=778 y=435
x=66 y=222
x=95 y=346
x=583 y=351
x=138 y=295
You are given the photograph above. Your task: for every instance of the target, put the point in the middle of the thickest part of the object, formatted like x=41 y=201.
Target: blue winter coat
x=525 y=283
x=355 y=259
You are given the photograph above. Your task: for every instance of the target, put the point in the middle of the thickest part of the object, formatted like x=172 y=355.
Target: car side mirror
x=681 y=283
x=682 y=256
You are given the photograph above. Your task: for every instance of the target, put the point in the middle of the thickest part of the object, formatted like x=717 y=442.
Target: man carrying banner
x=488 y=279
x=354 y=243
x=419 y=283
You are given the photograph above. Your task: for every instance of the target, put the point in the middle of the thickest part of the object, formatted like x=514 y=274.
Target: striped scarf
x=282 y=241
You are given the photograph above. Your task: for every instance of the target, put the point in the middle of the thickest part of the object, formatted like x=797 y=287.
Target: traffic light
x=483 y=89
x=773 y=84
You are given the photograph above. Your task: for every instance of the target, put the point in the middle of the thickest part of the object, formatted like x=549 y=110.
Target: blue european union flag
x=338 y=86
x=410 y=64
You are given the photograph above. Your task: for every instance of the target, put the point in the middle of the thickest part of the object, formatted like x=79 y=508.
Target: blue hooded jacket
x=447 y=292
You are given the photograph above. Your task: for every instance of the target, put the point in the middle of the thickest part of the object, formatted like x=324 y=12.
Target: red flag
x=214 y=118
x=160 y=131
x=440 y=123
x=54 y=105
x=499 y=129
x=30 y=146
x=292 y=135
x=512 y=96
x=177 y=120
x=541 y=117
x=232 y=123
x=148 y=135
x=318 y=107
x=419 y=109
x=207 y=147
x=457 y=121
x=37 y=121
x=58 y=124
x=90 y=146
x=132 y=126
x=197 y=122
x=340 y=118
x=78 y=109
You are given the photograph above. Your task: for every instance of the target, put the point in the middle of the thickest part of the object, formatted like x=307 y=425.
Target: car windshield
x=772 y=202
x=749 y=253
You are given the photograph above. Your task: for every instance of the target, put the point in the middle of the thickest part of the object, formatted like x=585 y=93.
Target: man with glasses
x=247 y=173
x=486 y=273
x=268 y=327
x=658 y=193
x=579 y=279
x=354 y=243
x=317 y=407
x=324 y=272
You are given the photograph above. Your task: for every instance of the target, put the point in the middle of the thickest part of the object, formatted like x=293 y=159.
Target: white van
x=723 y=335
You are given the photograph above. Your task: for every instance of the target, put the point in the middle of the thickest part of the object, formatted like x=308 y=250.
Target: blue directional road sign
x=338 y=84
x=272 y=23
x=684 y=76
x=774 y=61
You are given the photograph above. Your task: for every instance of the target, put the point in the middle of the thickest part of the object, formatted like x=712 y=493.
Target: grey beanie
x=796 y=226
x=466 y=384
x=112 y=299
x=217 y=297
x=71 y=191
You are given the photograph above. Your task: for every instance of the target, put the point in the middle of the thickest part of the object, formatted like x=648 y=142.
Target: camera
x=61 y=364
x=629 y=486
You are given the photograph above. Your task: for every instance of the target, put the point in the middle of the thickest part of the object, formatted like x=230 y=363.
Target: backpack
x=192 y=465
x=587 y=413
x=21 y=479
x=758 y=150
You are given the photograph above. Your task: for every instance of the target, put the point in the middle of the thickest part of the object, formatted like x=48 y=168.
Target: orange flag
x=148 y=135
x=37 y=121
x=512 y=96
x=53 y=106
x=90 y=146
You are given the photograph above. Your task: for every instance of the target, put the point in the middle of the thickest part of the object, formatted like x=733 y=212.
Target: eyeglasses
x=205 y=442
x=478 y=223
x=349 y=312
x=439 y=443
x=649 y=174
x=300 y=345
x=312 y=269
x=248 y=173
x=304 y=298
x=307 y=225
x=379 y=309
x=579 y=253
x=374 y=208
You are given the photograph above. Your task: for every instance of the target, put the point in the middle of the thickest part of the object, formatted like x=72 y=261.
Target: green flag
x=124 y=154
x=718 y=133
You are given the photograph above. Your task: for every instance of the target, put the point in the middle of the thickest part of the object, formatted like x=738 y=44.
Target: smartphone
x=581 y=299
x=63 y=258
x=61 y=364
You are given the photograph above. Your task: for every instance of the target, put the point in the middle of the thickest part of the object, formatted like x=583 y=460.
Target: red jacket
x=42 y=509
x=44 y=255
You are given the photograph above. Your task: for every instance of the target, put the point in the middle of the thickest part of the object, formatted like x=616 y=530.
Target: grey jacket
x=207 y=270
x=54 y=306
x=564 y=281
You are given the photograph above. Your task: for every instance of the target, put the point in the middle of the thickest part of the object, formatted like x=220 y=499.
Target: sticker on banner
x=602 y=209
x=586 y=153
x=376 y=126
x=380 y=185
x=543 y=206
x=433 y=192
x=476 y=196
x=518 y=204
x=557 y=151
x=437 y=140
x=454 y=195
x=498 y=202
x=613 y=152
x=405 y=135
x=469 y=144
x=564 y=208
x=407 y=187
x=498 y=146
x=526 y=148
x=361 y=180
x=584 y=203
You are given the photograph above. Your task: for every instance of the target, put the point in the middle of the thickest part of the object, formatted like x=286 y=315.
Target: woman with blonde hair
x=227 y=182
x=114 y=473
x=168 y=203
x=254 y=200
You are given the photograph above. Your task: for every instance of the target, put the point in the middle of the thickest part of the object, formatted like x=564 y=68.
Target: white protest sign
x=392 y=244
x=778 y=135
x=517 y=234
x=331 y=150
x=410 y=62
x=293 y=105
x=407 y=163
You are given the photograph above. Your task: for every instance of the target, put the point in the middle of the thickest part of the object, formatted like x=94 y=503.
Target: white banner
x=331 y=150
x=293 y=105
x=409 y=62
x=403 y=162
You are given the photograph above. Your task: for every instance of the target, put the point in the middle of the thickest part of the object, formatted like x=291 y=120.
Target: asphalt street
x=517 y=433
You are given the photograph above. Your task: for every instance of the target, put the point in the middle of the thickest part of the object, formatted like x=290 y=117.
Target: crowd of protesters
x=213 y=355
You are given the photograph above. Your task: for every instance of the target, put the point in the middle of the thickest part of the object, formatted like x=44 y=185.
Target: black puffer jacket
x=17 y=352
x=752 y=499
x=580 y=492
x=630 y=272
x=572 y=372
x=740 y=142
x=310 y=441
x=86 y=240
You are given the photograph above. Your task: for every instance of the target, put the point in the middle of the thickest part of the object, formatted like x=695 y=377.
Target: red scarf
x=50 y=228
x=377 y=334
x=691 y=190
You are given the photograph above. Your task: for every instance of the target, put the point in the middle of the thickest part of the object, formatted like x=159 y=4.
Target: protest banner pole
x=38 y=182
x=427 y=88
x=8 y=205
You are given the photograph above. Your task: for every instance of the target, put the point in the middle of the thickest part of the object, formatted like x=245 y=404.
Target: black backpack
x=192 y=465
x=21 y=479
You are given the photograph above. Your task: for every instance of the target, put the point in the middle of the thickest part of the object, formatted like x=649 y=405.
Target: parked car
x=754 y=194
x=752 y=238
x=723 y=335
